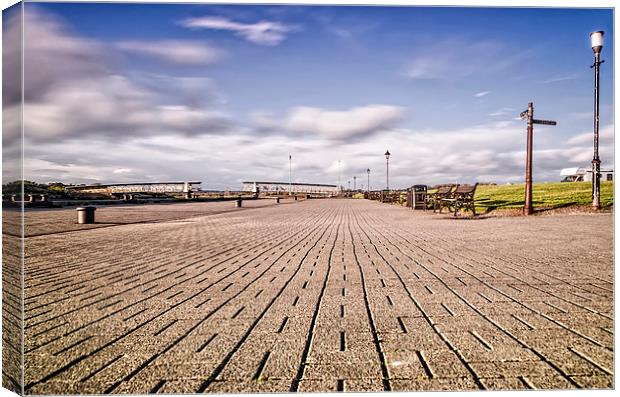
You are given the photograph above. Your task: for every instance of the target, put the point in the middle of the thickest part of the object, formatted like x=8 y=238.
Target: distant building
x=283 y=187
x=146 y=187
x=578 y=174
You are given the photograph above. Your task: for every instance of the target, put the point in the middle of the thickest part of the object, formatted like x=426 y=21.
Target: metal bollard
x=86 y=215
x=295 y=198
x=238 y=203
x=277 y=200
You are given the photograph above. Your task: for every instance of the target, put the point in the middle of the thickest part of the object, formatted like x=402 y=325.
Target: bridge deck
x=320 y=295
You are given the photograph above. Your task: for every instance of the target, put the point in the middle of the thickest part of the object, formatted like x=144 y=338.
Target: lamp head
x=387 y=154
x=596 y=39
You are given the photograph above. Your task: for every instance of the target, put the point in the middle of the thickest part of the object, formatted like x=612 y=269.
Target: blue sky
x=224 y=93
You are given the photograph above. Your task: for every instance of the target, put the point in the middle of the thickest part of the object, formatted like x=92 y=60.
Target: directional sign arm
x=544 y=122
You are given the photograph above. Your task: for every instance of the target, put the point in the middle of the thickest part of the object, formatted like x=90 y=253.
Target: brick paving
x=45 y=221
x=317 y=295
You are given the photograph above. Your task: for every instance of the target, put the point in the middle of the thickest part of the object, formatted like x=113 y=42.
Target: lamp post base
x=596 y=184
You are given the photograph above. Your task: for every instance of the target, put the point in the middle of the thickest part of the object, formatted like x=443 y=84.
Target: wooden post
x=528 y=209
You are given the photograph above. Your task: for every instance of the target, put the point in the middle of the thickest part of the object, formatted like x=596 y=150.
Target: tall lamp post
x=368 y=187
x=387 y=169
x=596 y=39
x=529 y=209
x=354 y=182
x=339 y=186
x=290 y=183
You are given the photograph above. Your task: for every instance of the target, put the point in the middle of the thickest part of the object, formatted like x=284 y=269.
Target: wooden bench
x=461 y=199
x=434 y=198
x=374 y=195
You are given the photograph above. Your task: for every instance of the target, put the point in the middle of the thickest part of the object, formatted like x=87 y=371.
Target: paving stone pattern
x=11 y=301
x=318 y=295
x=46 y=221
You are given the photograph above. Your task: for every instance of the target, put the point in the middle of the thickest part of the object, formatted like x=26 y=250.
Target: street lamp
x=290 y=183
x=339 y=185
x=368 y=172
x=596 y=39
x=354 y=182
x=387 y=169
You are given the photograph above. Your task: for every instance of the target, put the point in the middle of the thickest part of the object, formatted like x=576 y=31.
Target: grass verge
x=545 y=196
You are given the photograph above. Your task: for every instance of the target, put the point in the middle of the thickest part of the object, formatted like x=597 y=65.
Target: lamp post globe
x=596 y=39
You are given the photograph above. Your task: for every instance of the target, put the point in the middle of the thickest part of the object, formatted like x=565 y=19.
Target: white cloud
x=562 y=77
x=115 y=107
x=481 y=94
x=476 y=153
x=74 y=91
x=352 y=123
x=336 y=166
x=422 y=69
x=606 y=134
x=175 y=51
x=457 y=58
x=60 y=56
x=503 y=112
x=122 y=171
x=262 y=32
x=504 y=123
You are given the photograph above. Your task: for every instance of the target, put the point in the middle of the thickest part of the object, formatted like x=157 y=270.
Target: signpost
x=529 y=115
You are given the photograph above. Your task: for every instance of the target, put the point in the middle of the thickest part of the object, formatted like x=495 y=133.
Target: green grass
x=545 y=195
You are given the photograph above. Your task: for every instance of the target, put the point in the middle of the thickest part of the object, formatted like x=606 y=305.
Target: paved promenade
x=316 y=295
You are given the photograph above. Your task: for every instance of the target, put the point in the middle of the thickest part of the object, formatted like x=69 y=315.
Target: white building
x=283 y=187
x=578 y=174
x=138 y=187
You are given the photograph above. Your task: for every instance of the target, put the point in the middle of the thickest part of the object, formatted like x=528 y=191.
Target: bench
x=461 y=199
x=375 y=195
x=434 y=198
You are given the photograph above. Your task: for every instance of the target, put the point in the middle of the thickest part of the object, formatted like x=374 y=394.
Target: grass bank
x=546 y=196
